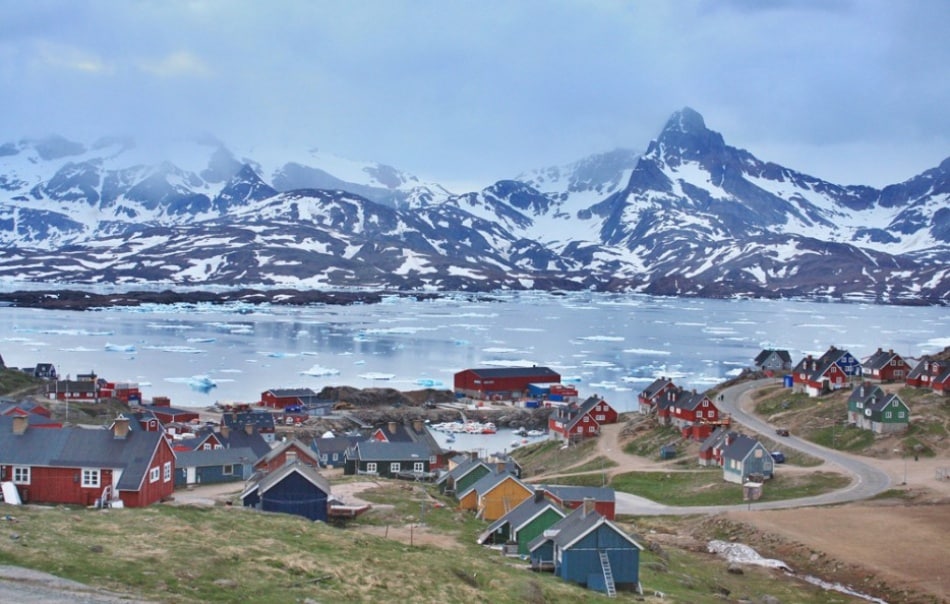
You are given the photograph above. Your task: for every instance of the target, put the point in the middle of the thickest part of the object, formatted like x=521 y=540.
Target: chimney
x=120 y=427
x=392 y=427
x=588 y=506
x=417 y=425
x=20 y=422
x=225 y=430
x=538 y=496
x=249 y=429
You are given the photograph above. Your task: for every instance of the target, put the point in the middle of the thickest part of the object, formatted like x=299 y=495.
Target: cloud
x=177 y=64
x=63 y=56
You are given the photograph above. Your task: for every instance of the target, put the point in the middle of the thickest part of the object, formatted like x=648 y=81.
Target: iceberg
x=120 y=347
x=320 y=371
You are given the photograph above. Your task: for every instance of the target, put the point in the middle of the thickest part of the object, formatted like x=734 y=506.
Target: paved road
x=866 y=482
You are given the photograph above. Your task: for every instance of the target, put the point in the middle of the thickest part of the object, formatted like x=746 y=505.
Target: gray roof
x=276 y=451
x=215 y=457
x=575 y=525
x=491 y=480
x=510 y=372
x=740 y=447
x=463 y=469
x=577 y=493
x=373 y=450
x=523 y=513
x=81 y=448
x=266 y=481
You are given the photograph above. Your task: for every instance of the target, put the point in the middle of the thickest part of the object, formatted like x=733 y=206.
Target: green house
x=871 y=408
x=461 y=477
x=522 y=524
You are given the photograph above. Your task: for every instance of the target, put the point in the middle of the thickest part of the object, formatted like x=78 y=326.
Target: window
x=153 y=475
x=419 y=467
x=371 y=467
x=218 y=446
x=167 y=474
x=291 y=456
x=600 y=418
x=206 y=447
x=227 y=470
x=21 y=475
x=90 y=478
x=900 y=414
x=887 y=415
x=394 y=467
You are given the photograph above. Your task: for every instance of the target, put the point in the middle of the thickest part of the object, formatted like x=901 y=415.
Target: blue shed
x=587 y=549
x=294 y=488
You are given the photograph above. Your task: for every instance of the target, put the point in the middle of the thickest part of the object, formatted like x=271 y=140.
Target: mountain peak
x=685 y=136
x=686 y=121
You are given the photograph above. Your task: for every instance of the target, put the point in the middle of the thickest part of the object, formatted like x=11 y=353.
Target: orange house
x=494 y=495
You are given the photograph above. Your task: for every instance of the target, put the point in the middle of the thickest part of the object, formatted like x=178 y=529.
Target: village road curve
x=867 y=481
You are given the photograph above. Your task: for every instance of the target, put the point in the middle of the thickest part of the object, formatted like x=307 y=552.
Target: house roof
x=765 y=354
x=234 y=439
x=292 y=392
x=265 y=482
x=740 y=447
x=373 y=450
x=81 y=448
x=515 y=372
x=656 y=387
x=488 y=482
x=520 y=515
x=215 y=457
x=259 y=419
x=691 y=400
x=879 y=405
x=718 y=436
x=576 y=525
x=576 y=493
x=282 y=447
x=816 y=368
x=865 y=393
x=879 y=359
x=463 y=469
x=173 y=411
x=335 y=444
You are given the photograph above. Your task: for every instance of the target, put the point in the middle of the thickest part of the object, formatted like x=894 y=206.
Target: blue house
x=213 y=466
x=587 y=549
x=745 y=457
x=293 y=488
x=331 y=451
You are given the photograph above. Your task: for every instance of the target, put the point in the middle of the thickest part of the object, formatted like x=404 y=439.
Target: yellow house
x=494 y=495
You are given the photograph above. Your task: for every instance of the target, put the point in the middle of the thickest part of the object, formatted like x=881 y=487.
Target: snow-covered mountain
x=691 y=216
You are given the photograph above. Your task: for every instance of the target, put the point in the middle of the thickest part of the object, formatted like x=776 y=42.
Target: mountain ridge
x=690 y=216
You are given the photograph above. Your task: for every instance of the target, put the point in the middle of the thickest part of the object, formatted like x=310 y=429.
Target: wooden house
x=170 y=415
x=771 y=360
x=744 y=459
x=414 y=431
x=508 y=383
x=649 y=396
x=710 y=450
x=573 y=422
x=73 y=390
x=290 y=451
x=462 y=476
x=262 y=422
x=331 y=451
x=78 y=466
x=214 y=466
x=590 y=550
x=281 y=398
x=24 y=408
x=494 y=495
x=44 y=371
x=930 y=373
x=692 y=408
x=572 y=497
x=389 y=460
x=523 y=524
x=871 y=408
x=209 y=439
x=831 y=371
x=885 y=366
x=293 y=488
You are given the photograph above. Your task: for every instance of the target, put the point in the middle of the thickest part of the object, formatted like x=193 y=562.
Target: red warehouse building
x=502 y=382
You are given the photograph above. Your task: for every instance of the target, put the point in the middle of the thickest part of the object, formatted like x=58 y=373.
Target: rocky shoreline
x=72 y=299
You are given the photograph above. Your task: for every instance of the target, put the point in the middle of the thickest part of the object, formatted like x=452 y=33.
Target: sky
x=469 y=92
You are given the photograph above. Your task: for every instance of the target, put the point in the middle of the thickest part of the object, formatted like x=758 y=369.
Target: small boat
x=515 y=443
x=520 y=431
x=489 y=428
x=535 y=433
x=450 y=438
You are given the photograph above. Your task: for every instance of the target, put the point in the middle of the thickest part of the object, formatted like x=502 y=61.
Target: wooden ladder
x=608 y=575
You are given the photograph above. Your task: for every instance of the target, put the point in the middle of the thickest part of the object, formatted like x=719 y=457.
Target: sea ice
x=320 y=371
x=120 y=347
x=377 y=376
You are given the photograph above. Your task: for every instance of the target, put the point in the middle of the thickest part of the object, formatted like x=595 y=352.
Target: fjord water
x=609 y=345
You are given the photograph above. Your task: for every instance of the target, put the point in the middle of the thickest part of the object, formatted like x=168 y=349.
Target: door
x=190 y=477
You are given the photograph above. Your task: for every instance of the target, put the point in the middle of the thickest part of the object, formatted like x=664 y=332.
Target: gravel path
x=27 y=586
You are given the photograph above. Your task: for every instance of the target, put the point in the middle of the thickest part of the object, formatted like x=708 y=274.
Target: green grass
x=843 y=438
x=551 y=456
x=16 y=381
x=706 y=487
x=647 y=443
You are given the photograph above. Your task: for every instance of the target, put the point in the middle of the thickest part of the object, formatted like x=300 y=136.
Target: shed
x=292 y=489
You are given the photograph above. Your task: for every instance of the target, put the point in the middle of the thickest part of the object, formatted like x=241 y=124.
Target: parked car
x=778 y=457
x=781 y=431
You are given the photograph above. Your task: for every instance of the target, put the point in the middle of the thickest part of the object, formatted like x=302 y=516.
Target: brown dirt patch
x=889 y=549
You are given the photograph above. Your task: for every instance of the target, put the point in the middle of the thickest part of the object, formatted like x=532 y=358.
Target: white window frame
x=153 y=474
x=91 y=478
x=394 y=467
x=21 y=474
x=419 y=466
x=227 y=469
x=167 y=471
x=371 y=467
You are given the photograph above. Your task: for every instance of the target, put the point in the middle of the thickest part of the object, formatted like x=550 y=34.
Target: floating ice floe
x=79 y=349
x=377 y=376
x=120 y=347
x=429 y=383
x=320 y=371
x=602 y=338
x=198 y=383
x=647 y=351
x=181 y=349
x=200 y=340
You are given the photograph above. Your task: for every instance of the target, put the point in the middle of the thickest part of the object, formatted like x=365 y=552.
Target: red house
x=73 y=390
x=281 y=398
x=885 y=366
x=649 y=397
x=571 y=422
x=824 y=374
x=573 y=497
x=929 y=373
x=172 y=415
x=502 y=382
x=692 y=408
x=127 y=392
x=287 y=452
x=78 y=466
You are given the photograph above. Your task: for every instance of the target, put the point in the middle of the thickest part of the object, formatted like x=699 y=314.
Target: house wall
x=296 y=495
x=607 y=509
x=153 y=492
x=543 y=555
x=470 y=383
x=502 y=499
x=581 y=563
x=59 y=485
x=529 y=532
x=465 y=482
x=469 y=501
